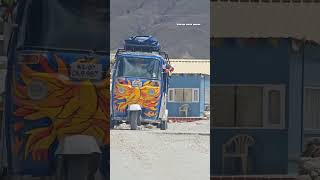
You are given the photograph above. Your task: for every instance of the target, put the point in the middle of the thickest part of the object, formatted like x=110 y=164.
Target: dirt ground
x=179 y=153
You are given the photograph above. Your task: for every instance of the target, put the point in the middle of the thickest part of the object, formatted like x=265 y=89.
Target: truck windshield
x=69 y=24
x=139 y=67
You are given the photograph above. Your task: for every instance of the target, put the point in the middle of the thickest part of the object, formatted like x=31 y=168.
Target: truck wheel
x=163 y=125
x=133 y=118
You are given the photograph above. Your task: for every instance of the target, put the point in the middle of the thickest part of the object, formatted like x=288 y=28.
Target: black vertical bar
x=235 y=105
x=302 y=96
x=204 y=93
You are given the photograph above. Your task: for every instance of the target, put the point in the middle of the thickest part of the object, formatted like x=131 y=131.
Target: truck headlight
x=37 y=90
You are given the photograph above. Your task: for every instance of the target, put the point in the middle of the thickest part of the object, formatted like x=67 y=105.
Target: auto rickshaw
x=140 y=79
x=56 y=113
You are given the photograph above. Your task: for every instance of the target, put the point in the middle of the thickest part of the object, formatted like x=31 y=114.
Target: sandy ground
x=179 y=153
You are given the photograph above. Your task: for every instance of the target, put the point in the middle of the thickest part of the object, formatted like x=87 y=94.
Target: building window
x=195 y=97
x=248 y=106
x=187 y=95
x=274 y=107
x=171 y=95
x=178 y=95
x=312 y=108
x=184 y=95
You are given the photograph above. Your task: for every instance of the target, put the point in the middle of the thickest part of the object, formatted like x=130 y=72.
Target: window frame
x=309 y=130
x=193 y=95
x=266 y=88
x=173 y=100
x=171 y=96
x=266 y=97
x=174 y=97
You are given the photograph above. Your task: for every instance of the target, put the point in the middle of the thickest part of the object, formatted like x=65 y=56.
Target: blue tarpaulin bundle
x=142 y=43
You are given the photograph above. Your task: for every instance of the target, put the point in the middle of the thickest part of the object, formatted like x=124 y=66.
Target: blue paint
x=294 y=102
x=17 y=162
x=259 y=64
x=268 y=154
x=117 y=115
x=189 y=81
x=275 y=150
x=312 y=77
x=312 y=65
x=202 y=94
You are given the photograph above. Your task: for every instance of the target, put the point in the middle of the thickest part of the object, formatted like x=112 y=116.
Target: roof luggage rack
x=142 y=43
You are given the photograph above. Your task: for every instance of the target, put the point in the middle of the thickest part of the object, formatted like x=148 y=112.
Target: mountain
x=159 y=18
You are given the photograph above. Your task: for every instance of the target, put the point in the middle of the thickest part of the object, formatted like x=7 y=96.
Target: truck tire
x=133 y=118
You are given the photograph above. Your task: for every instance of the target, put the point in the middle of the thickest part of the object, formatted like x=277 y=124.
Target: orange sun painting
x=73 y=108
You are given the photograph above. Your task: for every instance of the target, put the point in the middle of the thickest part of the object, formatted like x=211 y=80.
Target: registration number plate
x=86 y=71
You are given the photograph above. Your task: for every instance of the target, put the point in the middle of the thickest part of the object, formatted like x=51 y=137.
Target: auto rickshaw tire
x=76 y=168
x=112 y=124
x=133 y=118
x=139 y=121
x=163 y=125
x=80 y=168
x=3 y=173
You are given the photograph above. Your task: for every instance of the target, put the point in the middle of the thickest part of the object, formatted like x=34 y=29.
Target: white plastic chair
x=184 y=109
x=240 y=144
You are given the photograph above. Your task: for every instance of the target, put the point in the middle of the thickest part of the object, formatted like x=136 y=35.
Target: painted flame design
x=72 y=108
x=136 y=95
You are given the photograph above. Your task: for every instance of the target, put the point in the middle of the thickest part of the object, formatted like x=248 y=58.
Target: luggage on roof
x=142 y=43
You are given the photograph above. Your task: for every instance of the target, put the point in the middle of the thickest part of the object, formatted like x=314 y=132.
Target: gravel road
x=179 y=153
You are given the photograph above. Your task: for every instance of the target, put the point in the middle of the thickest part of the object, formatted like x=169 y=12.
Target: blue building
x=269 y=89
x=189 y=89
